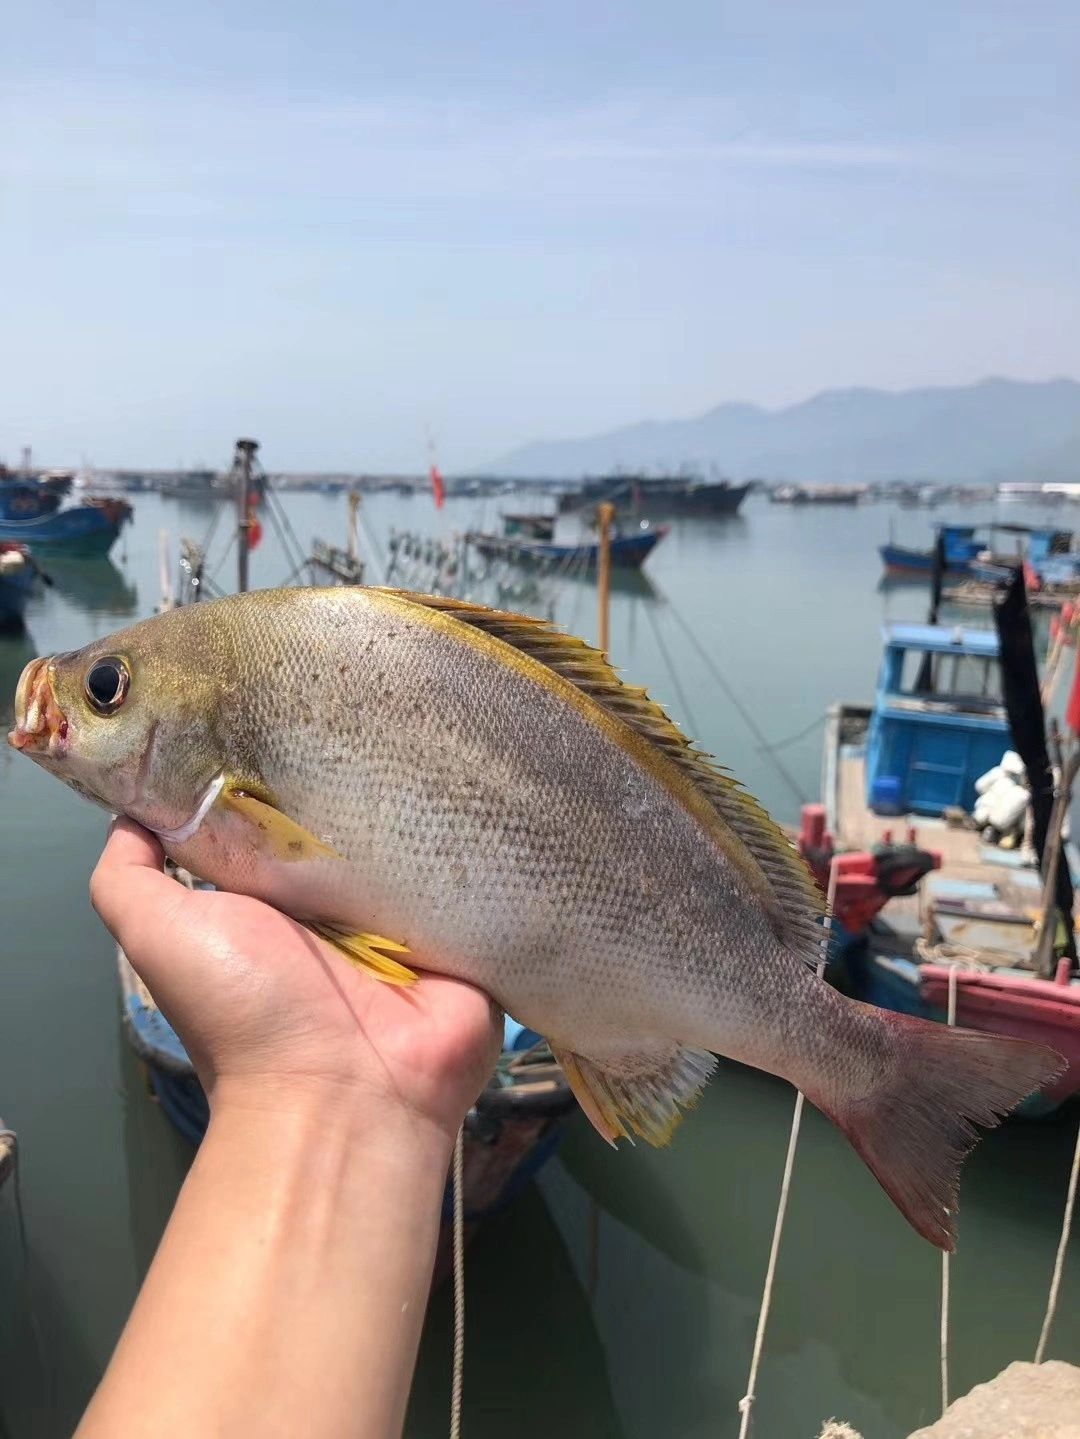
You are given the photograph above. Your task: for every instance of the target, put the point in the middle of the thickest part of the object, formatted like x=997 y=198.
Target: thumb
x=129 y=887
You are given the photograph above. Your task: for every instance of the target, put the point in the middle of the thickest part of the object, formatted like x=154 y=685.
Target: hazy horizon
x=345 y=233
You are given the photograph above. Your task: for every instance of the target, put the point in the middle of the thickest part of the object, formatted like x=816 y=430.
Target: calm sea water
x=784 y=606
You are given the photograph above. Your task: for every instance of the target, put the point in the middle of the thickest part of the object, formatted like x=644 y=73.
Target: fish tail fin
x=916 y=1126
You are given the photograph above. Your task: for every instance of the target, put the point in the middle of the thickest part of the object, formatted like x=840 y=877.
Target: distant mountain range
x=994 y=430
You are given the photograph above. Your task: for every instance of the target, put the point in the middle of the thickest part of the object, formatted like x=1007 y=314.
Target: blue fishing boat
x=529 y=526
x=938 y=721
x=17 y=575
x=25 y=498
x=961 y=549
x=510 y=1132
x=91 y=528
x=627 y=551
x=904 y=769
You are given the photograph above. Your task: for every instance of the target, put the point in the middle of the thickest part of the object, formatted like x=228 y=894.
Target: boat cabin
x=938 y=721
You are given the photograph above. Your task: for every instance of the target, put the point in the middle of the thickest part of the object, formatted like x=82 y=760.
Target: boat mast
x=245 y=454
x=605 y=517
x=354 y=506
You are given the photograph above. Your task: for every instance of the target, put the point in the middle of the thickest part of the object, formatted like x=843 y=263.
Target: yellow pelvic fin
x=369 y=952
x=637 y=1092
x=799 y=901
x=282 y=836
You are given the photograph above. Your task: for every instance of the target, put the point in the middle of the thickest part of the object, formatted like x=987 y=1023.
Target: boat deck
x=983 y=898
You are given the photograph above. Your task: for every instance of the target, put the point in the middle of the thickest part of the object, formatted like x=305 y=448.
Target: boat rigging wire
x=1062 y=1250
x=690 y=724
x=746 y=1403
x=279 y=517
x=791 y=739
x=944 y=1331
x=47 y=1371
x=747 y=718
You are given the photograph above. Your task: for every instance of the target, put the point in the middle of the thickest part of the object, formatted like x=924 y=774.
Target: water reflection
x=16 y=652
x=94 y=584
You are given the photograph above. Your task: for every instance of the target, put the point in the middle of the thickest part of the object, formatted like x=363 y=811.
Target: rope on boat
x=48 y=1372
x=746 y=1403
x=1062 y=1250
x=945 y=1256
x=792 y=738
x=459 y=1284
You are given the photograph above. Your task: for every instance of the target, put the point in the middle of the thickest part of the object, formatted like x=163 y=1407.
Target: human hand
x=269 y=1013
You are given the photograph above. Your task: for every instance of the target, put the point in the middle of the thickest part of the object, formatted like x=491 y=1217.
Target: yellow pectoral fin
x=369 y=952
x=280 y=835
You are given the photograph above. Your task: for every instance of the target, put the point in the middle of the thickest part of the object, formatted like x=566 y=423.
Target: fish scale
x=476 y=793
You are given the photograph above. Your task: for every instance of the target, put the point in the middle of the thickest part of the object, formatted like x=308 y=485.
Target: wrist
x=314 y=1117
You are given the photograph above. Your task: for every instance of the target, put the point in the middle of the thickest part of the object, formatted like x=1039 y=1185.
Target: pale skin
x=289 y=1288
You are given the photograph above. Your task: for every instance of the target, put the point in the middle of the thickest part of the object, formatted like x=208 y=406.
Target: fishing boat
x=512 y=1129
x=57 y=482
x=8 y=1150
x=818 y=494
x=960 y=545
x=1046 y=554
x=529 y=526
x=17 y=575
x=91 y=528
x=23 y=497
x=627 y=551
x=659 y=496
x=907 y=766
x=338 y=564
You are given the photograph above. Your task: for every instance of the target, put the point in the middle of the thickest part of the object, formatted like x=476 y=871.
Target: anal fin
x=371 y=953
x=641 y=1092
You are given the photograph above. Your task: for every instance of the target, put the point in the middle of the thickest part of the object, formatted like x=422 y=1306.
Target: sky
x=347 y=228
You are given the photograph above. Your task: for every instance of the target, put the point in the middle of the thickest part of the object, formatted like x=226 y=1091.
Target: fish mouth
x=40 y=724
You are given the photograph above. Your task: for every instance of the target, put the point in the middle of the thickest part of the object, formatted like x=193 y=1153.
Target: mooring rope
x=459 y=1284
x=746 y=1403
x=48 y=1372
x=945 y=1256
x=1062 y=1249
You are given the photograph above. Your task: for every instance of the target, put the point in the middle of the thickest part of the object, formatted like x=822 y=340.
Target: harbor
x=594 y=1228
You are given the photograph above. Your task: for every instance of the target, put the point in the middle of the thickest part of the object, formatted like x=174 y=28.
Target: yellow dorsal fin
x=798 y=896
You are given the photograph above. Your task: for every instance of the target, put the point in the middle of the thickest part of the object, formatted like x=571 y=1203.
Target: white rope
x=945 y=1256
x=1059 y=1263
x=746 y=1403
x=48 y=1371
x=459 y=1284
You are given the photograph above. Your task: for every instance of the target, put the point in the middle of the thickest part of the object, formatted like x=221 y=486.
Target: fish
x=433 y=785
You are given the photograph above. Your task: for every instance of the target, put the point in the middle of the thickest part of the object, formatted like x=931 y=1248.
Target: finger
x=128 y=887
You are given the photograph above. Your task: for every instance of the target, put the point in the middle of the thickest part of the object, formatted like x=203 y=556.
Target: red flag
x=254 y=526
x=1072 y=714
x=438 y=489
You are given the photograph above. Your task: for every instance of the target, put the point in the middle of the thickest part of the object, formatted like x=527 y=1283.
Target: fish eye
x=106 y=684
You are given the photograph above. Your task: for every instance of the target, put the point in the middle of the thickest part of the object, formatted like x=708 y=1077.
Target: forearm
x=289 y=1289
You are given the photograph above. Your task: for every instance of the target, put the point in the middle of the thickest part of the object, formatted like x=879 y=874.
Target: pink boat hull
x=1047 y=1011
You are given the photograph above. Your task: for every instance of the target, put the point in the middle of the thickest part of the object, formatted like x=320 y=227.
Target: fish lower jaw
x=41 y=727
